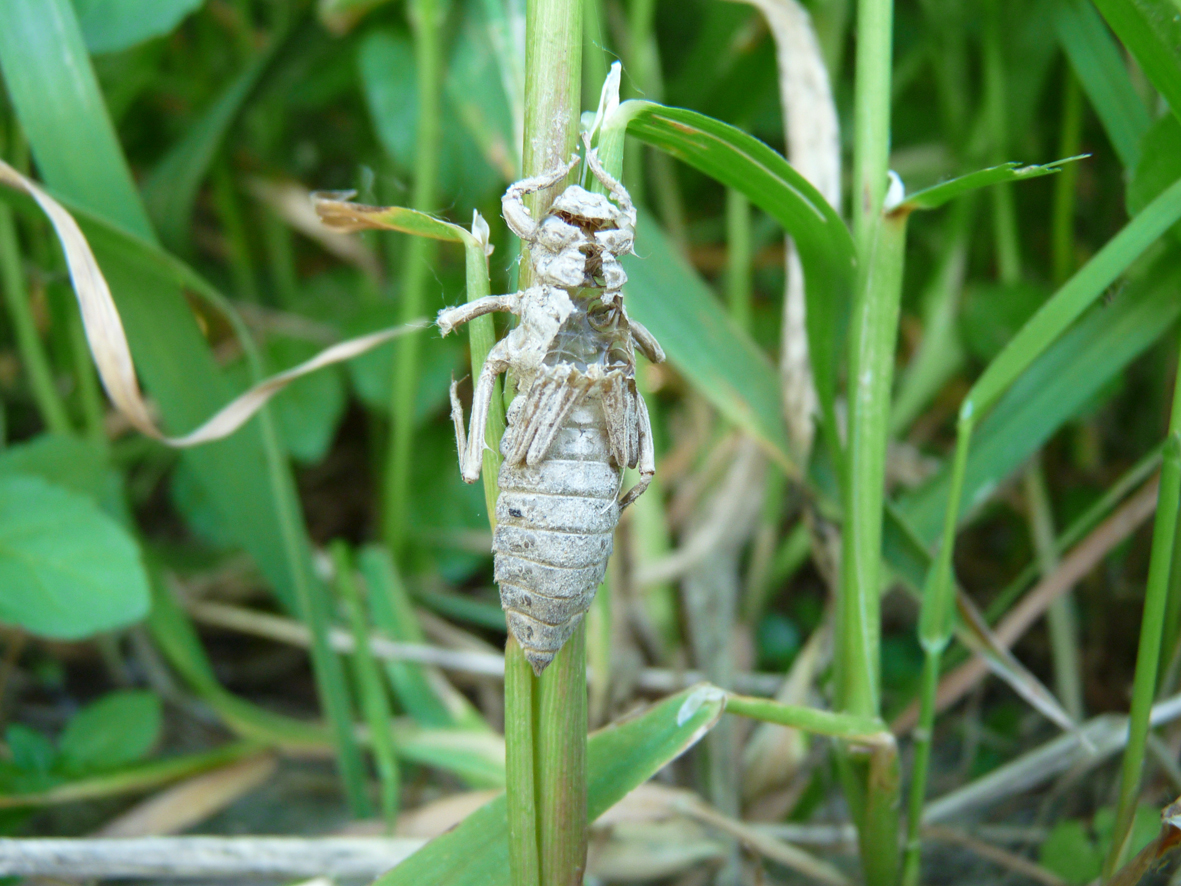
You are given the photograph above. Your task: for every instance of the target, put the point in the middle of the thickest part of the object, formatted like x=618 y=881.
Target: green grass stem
x=1004 y=212
x=1151 y=629
x=936 y=622
x=871 y=363
x=426 y=17
x=560 y=722
x=34 y=359
x=521 y=786
x=545 y=718
x=1066 y=184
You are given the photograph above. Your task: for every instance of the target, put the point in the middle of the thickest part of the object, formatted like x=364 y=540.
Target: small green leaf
x=1070 y=853
x=114 y=25
x=78 y=464
x=67 y=569
x=117 y=729
x=619 y=758
x=31 y=751
x=936 y=195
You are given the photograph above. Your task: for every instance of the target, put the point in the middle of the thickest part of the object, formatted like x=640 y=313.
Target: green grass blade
x=746 y=164
x=1099 y=66
x=133 y=779
x=936 y=195
x=57 y=100
x=171 y=189
x=393 y=614
x=620 y=758
x=701 y=341
x=1052 y=390
x=1073 y=298
x=1151 y=31
x=374 y=703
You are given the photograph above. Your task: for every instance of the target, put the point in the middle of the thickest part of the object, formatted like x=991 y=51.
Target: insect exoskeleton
x=577 y=419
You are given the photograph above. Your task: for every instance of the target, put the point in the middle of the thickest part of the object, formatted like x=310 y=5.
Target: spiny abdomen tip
x=539 y=660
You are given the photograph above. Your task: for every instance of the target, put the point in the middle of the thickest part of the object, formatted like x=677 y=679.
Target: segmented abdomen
x=554 y=526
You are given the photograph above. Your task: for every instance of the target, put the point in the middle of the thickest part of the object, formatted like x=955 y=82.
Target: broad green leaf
x=1159 y=166
x=113 y=25
x=1100 y=67
x=57 y=101
x=746 y=164
x=309 y=411
x=31 y=751
x=1052 y=390
x=992 y=313
x=619 y=758
x=77 y=464
x=388 y=79
x=171 y=190
x=1065 y=306
x=701 y=341
x=1069 y=852
x=53 y=90
x=67 y=569
x=936 y=195
x=1151 y=31
x=117 y=729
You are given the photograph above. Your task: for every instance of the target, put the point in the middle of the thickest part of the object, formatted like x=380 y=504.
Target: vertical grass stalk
x=871 y=364
x=425 y=20
x=935 y=629
x=545 y=717
x=1151 y=628
x=34 y=360
x=871 y=785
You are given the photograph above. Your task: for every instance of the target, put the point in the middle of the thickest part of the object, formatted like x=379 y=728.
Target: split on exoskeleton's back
x=577 y=420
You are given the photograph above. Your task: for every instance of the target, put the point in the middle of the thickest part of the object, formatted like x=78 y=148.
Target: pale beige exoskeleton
x=577 y=420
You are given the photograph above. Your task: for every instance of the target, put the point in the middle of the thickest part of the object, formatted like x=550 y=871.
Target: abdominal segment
x=554 y=525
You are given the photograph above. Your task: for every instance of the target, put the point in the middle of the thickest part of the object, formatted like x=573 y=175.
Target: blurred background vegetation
x=156 y=605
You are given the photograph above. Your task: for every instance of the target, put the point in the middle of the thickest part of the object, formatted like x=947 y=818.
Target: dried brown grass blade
x=189 y=803
x=112 y=354
x=814 y=148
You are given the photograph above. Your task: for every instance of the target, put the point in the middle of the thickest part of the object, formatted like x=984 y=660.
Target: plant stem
x=560 y=754
x=545 y=718
x=34 y=360
x=880 y=242
x=425 y=19
x=935 y=629
x=1008 y=247
x=871 y=363
x=871 y=118
x=1151 y=627
x=1066 y=182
